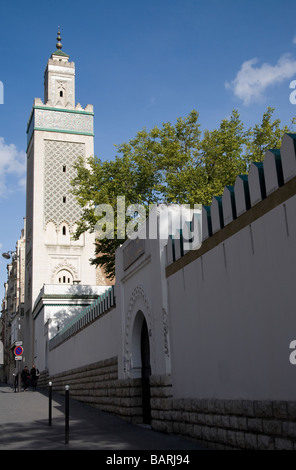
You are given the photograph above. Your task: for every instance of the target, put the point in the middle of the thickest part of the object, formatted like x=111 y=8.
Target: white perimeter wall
x=96 y=342
x=232 y=314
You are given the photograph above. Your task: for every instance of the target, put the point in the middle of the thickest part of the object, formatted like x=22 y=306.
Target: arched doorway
x=141 y=367
x=146 y=372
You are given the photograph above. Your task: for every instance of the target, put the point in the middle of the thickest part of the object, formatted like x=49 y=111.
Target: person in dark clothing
x=34 y=373
x=25 y=377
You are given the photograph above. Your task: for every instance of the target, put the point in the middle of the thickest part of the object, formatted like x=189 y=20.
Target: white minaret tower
x=58 y=133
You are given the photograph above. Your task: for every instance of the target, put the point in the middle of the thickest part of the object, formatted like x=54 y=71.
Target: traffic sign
x=18 y=351
x=18 y=343
x=18 y=358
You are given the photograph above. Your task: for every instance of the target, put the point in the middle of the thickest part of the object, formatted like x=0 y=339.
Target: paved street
x=24 y=426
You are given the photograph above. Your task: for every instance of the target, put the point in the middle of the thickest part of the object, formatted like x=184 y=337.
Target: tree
x=142 y=172
x=222 y=156
x=100 y=183
x=169 y=164
x=267 y=136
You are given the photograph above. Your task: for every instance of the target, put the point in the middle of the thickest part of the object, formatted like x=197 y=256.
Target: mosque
x=194 y=336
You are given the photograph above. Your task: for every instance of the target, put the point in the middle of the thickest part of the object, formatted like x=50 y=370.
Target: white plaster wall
x=56 y=310
x=232 y=314
x=45 y=331
x=94 y=343
x=142 y=287
x=39 y=342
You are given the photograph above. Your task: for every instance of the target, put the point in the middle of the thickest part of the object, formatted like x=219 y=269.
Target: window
x=61 y=94
x=64 y=230
x=64 y=277
x=64 y=168
x=64 y=199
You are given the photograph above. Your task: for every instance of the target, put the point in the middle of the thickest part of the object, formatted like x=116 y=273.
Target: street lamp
x=7 y=255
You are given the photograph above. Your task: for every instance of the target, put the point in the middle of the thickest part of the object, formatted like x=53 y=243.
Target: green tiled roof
x=58 y=52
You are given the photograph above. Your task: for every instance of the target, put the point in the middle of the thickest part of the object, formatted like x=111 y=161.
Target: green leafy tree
x=143 y=172
x=222 y=156
x=266 y=136
x=170 y=164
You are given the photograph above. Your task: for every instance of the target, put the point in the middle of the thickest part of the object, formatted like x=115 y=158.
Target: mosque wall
x=219 y=319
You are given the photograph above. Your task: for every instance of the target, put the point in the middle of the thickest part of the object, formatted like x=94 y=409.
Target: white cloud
x=251 y=82
x=12 y=165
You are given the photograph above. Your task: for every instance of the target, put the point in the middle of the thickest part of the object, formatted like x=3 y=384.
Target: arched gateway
x=145 y=373
x=138 y=346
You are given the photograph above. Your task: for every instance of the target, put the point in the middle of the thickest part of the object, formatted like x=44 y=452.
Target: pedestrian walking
x=34 y=374
x=25 y=377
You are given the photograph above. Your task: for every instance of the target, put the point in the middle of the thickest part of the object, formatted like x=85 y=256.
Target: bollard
x=18 y=378
x=49 y=402
x=67 y=414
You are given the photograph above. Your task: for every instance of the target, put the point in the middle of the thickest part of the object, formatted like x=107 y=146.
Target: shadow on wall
x=77 y=297
x=78 y=290
x=59 y=320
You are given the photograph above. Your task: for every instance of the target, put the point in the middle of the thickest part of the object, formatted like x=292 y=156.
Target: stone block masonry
x=218 y=424
x=224 y=424
x=97 y=385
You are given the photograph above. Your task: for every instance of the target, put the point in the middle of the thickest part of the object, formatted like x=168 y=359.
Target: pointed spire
x=59 y=44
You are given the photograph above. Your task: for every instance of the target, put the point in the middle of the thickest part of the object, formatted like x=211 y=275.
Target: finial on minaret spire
x=59 y=44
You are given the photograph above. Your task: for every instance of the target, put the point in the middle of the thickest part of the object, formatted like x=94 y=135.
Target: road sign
x=18 y=358
x=18 y=343
x=18 y=351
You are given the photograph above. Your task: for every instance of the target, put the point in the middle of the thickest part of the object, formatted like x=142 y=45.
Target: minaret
x=58 y=133
x=59 y=79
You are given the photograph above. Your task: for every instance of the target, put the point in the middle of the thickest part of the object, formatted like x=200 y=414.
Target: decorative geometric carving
x=138 y=293
x=64 y=265
x=61 y=120
x=58 y=172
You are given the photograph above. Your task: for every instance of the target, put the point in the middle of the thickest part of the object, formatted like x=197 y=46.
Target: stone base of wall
x=43 y=379
x=224 y=424
x=215 y=423
x=97 y=385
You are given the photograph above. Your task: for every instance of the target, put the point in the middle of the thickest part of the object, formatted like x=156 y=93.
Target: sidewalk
x=24 y=426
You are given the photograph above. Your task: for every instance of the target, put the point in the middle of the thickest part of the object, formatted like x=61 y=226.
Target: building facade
x=13 y=307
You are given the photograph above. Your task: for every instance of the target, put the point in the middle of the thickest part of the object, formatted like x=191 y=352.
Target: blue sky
x=140 y=63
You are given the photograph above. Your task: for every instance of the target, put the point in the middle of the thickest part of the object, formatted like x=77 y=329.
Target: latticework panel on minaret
x=59 y=204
